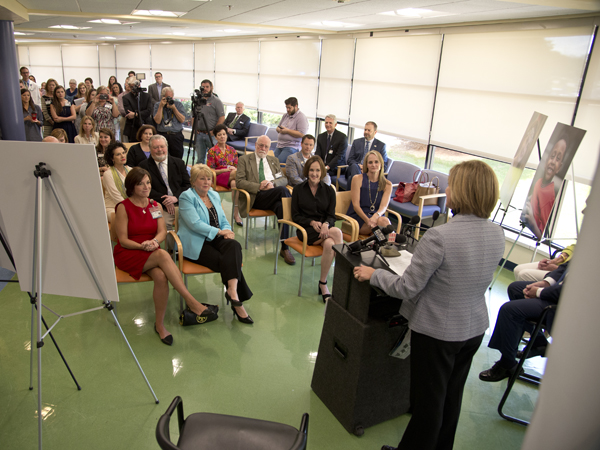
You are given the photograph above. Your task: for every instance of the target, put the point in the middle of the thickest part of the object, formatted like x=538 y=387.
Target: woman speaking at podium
x=443 y=292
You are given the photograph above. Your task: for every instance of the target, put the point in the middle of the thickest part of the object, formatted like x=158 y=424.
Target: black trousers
x=513 y=320
x=225 y=256
x=175 y=142
x=438 y=372
x=271 y=200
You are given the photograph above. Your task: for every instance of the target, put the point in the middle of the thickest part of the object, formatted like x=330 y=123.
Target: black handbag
x=188 y=317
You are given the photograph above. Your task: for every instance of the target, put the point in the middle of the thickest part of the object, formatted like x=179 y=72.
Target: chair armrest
x=425 y=197
x=302 y=230
x=353 y=224
x=242 y=191
x=337 y=176
x=247 y=138
x=398 y=218
x=214 y=179
x=179 y=248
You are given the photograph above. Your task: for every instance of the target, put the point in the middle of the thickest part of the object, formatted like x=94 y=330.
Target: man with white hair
x=238 y=123
x=169 y=177
x=169 y=115
x=138 y=109
x=260 y=175
x=332 y=145
x=72 y=91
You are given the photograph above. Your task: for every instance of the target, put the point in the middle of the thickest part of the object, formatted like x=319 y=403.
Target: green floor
x=262 y=370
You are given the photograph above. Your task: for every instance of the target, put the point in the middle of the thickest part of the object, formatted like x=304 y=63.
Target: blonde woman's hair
x=81 y=133
x=198 y=170
x=473 y=188
x=381 y=178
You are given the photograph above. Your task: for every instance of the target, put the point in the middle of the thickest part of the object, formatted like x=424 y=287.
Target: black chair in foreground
x=203 y=431
x=540 y=325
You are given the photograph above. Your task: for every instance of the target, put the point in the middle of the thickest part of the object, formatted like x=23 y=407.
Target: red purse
x=406 y=191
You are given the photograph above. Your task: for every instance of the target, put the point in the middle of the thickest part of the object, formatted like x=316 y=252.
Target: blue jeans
x=283 y=152
x=203 y=143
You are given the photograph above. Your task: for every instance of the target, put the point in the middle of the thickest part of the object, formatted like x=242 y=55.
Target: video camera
x=199 y=99
x=137 y=88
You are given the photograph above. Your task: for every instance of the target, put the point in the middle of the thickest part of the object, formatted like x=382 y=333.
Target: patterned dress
x=219 y=159
x=103 y=117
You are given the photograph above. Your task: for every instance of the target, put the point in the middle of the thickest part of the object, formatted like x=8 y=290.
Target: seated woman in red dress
x=140 y=228
x=223 y=159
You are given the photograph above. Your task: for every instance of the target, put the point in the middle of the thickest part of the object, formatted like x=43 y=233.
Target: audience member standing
x=63 y=113
x=138 y=108
x=32 y=115
x=214 y=114
x=46 y=102
x=31 y=86
x=103 y=110
x=155 y=89
x=169 y=115
x=292 y=127
x=72 y=91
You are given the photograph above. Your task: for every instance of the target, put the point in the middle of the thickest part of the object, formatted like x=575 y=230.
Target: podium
x=354 y=375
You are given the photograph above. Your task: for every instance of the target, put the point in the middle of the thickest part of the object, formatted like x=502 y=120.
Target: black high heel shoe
x=234 y=304
x=167 y=339
x=325 y=296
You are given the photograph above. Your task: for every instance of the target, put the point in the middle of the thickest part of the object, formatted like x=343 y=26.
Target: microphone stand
x=375 y=248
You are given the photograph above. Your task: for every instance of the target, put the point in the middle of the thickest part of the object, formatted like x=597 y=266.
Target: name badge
x=278 y=175
x=331 y=152
x=155 y=212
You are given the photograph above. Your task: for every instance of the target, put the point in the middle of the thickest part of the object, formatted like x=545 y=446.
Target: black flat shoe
x=167 y=339
x=235 y=303
x=325 y=296
x=239 y=224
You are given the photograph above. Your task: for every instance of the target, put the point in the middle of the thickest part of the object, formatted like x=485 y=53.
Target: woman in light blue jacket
x=207 y=238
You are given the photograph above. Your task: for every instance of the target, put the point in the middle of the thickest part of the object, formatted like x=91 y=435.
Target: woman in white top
x=114 y=179
x=87 y=132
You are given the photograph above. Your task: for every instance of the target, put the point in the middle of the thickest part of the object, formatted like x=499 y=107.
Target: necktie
x=163 y=174
x=366 y=146
x=232 y=124
x=261 y=171
x=328 y=141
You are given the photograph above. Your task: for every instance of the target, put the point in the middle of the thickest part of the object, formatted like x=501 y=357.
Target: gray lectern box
x=354 y=376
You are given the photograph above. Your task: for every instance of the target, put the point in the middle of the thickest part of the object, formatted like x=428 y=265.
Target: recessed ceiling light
x=20 y=33
x=416 y=13
x=157 y=13
x=70 y=27
x=108 y=37
x=328 y=23
x=111 y=22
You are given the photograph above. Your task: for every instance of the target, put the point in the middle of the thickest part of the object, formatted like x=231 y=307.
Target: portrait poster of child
x=549 y=177
x=530 y=137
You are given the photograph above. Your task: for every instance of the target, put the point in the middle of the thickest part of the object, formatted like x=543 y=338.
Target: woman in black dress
x=313 y=208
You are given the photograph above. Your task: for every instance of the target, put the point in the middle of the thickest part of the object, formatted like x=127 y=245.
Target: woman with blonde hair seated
x=313 y=208
x=370 y=194
x=61 y=135
x=87 y=132
x=140 y=229
x=207 y=238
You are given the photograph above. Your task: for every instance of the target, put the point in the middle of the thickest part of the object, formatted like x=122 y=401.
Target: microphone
x=410 y=226
x=379 y=236
x=434 y=217
x=389 y=251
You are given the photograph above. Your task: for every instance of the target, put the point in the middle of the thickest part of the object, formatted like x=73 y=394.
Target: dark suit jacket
x=357 y=152
x=552 y=293
x=241 y=126
x=130 y=103
x=135 y=156
x=336 y=153
x=153 y=91
x=247 y=178
x=179 y=180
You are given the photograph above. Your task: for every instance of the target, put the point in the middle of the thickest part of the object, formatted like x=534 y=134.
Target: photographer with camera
x=169 y=115
x=138 y=106
x=208 y=113
x=103 y=109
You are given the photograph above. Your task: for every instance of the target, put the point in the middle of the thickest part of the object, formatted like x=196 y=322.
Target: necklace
x=372 y=208
x=213 y=212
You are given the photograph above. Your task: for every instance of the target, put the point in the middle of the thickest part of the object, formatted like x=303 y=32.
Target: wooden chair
x=124 y=277
x=253 y=213
x=187 y=268
x=311 y=251
x=221 y=189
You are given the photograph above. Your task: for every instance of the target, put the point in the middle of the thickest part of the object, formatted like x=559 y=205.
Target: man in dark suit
x=332 y=145
x=169 y=177
x=155 y=89
x=260 y=175
x=527 y=301
x=138 y=109
x=237 y=123
x=360 y=147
